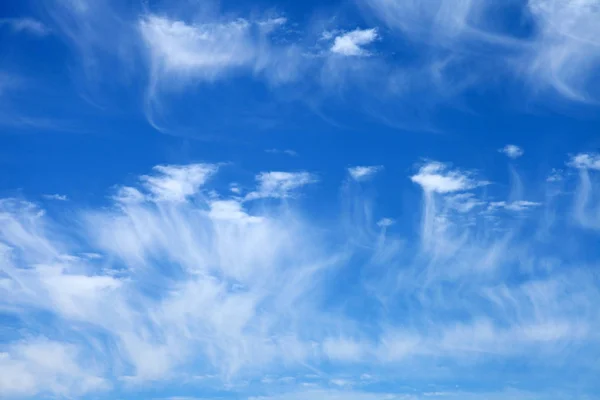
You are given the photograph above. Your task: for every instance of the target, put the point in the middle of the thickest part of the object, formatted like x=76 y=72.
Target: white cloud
x=230 y=210
x=512 y=151
x=586 y=206
x=585 y=161
x=519 y=205
x=438 y=177
x=192 y=278
x=411 y=394
x=181 y=49
x=363 y=173
x=235 y=188
x=289 y=152
x=27 y=25
x=560 y=52
x=182 y=54
x=277 y=184
x=175 y=182
x=351 y=43
x=462 y=202
x=385 y=222
x=217 y=285
x=41 y=366
x=436 y=22
x=565 y=54
x=59 y=197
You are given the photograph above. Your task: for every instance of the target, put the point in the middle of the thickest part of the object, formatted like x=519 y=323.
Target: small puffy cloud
x=351 y=43
x=176 y=182
x=438 y=177
x=27 y=25
x=363 y=173
x=585 y=161
x=512 y=151
x=58 y=197
x=278 y=184
x=235 y=188
x=385 y=222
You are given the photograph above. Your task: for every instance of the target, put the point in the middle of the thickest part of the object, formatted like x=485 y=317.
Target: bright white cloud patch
x=438 y=177
x=28 y=368
x=182 y=52
x=175 y=183
x=280 y=184
x=512 y=151
x=363 y=173
x=586 y=161
x=203 y=50
x=352 y=43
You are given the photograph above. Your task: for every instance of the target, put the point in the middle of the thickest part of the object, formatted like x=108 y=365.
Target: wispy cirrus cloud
x=184 y=50
x=191 y=282
x=429 y=55
x=190 y=277
x=26 y=25
x=149 y=228
x=288 y=152
x=56 y=196
x=565 y=54
x=586 y=209
x=557 y=50
x=182 y=53
x=362 y=173
x=50 y=366
x=519 y=205
x=277 y=184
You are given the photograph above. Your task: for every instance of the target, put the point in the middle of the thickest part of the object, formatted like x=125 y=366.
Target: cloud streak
x=26 y=25
x=558 y=52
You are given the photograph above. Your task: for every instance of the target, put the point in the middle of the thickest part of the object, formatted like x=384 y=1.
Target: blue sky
x=284 y=200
